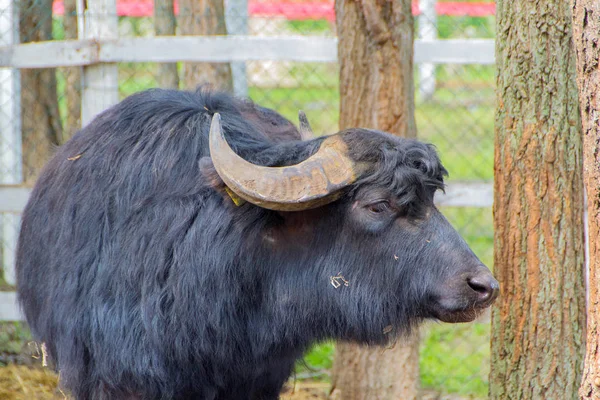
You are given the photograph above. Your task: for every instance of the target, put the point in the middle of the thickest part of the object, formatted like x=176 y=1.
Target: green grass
x=320 y=105
x=3 y=285
x=463 y=137
x=455 y=359
x=14 y=337
x=452 y=27
x=317 y=362
x=458 y=120
x=310 y=27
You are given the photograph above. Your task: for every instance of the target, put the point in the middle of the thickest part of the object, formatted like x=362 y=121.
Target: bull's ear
x=211 y=177
x=306 y=131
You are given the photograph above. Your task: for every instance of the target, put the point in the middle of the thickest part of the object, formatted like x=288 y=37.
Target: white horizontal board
x=9 y=309
x=459 y=194
x=466 y=194
x=223 y=49
x=455 y=51
x=51 y=54
x=13 y=198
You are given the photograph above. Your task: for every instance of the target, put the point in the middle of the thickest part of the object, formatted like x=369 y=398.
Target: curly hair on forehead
x=409 y=169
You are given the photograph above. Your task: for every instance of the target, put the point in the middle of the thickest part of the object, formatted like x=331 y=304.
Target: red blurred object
x=296 y=10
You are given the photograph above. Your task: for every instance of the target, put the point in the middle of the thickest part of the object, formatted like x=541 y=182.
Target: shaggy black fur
x=146 y=281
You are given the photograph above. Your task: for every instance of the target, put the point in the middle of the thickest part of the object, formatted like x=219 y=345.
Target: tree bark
x=165 y=25
x=72 y=77
x=375 y=51
x=41 y=125
x=537 y=341
x=376 y=91
x=204 y=17
x=586 y=36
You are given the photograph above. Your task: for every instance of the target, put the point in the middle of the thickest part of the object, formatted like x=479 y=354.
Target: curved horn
x=312 y=183
x=306 y=131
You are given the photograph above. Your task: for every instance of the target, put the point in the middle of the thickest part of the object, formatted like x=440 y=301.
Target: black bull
x=157 y=262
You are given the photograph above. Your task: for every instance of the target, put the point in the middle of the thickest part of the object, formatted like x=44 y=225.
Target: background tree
x=72 y=77
x=375 y=50
x=537 y=323
x=41 y=125
x=165 y=24
x=204 y=17
x=586 y=36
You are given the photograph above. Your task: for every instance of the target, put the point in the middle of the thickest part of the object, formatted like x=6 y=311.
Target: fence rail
x=9 y=309
x=458 y=194
x=165 y=49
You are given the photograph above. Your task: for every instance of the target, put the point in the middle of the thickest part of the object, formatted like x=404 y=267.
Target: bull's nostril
x=486 y=287
x=479 y=287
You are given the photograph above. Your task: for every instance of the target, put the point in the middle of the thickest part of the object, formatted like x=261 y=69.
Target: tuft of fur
x=410 y=169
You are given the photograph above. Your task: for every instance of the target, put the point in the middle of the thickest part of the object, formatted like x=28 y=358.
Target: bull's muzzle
x=485 y=286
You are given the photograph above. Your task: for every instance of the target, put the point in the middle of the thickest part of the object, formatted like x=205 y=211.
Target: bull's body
x=145 y=280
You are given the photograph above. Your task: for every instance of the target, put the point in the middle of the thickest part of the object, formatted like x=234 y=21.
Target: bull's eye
x=379 y=207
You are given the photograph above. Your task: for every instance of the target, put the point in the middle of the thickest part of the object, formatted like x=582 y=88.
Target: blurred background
x=41 y=108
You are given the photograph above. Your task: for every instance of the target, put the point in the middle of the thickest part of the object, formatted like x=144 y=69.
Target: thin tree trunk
x=375 y=50
x=72 y=77
x=204 y=17
x=586 y=36
x=165 y=25
x=537 y=339
x=376 y=83
x=41 y=125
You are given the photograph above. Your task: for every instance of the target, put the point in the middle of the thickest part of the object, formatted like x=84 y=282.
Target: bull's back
x=109 y=214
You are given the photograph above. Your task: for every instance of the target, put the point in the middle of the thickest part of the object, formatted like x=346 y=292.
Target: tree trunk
x=537 y=322
x=41 y=125
x=586 y=36
x=375 y=51
x=72 y=77
x=164 y=25
x=376 y=373
x=376 y=83
x=204 y=17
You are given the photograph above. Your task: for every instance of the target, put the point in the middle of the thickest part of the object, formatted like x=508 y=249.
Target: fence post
x=236 y=19
x=427 y=31
x=10 y=138
x=100 y=81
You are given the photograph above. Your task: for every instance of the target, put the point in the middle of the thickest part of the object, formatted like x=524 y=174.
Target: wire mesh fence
x=41 y=109
x=455 y=111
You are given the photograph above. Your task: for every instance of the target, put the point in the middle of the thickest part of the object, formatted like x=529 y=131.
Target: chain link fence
x=455 y=111
x=41 y=109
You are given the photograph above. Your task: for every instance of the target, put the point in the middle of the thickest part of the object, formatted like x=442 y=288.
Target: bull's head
x=383 y=186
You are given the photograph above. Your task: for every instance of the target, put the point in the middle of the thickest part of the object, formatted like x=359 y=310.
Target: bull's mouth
x=465 y=298
x=458 y=316
x=445 y=311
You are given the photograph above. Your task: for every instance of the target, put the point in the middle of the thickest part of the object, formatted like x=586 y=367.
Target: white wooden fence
x=98 y=49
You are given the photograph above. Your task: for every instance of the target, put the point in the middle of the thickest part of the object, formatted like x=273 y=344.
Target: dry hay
x=305 y=390
x=20 y=382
